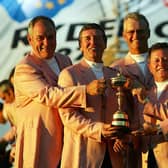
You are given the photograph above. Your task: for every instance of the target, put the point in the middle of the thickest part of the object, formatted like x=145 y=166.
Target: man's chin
x=163 y=76
x=46 y=56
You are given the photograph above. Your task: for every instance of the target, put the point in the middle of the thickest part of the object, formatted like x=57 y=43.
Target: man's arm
x=31 y=84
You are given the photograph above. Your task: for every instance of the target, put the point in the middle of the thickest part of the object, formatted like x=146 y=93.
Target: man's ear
x=81 y=50
x=123 y=35
x=148 y=65
x=148 y=33
x=79 y=43
x=28 y=38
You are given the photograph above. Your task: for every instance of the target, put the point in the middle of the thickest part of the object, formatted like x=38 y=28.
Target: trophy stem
x=120 y=95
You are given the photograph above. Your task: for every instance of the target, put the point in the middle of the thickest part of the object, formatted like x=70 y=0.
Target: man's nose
x=135 y=33
x=45 y=41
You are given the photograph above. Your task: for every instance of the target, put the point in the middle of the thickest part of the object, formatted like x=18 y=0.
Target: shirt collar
x=139 y=58
x=95 y=65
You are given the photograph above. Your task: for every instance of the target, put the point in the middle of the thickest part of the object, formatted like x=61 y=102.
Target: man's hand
x=128 y=84
x=132 y=84
x=111 y=132
x=12 y=154
x=96 y=87
x=120 y=145
x=141 y=94
x=149 y=128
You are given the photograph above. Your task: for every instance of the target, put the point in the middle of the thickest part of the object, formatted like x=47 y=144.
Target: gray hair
x=136 y=16
x=36 y=19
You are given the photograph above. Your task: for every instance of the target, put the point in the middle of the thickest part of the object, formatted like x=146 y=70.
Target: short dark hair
x=36 y=19
x=92 y=26
x=5 y=85
x=156 y=46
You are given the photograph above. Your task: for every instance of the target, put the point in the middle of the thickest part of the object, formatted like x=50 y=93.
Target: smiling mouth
x=42 y=49
x=162 y=70
x=136 y=41
x=93 y=49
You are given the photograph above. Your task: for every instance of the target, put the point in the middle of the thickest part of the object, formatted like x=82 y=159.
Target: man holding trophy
x=91 y=133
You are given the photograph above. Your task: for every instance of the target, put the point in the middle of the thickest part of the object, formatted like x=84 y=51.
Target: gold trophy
x=120 y=118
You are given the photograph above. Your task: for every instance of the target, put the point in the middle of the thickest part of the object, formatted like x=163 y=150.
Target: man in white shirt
x=88 y=131
x=156 y=108
x=136 y=32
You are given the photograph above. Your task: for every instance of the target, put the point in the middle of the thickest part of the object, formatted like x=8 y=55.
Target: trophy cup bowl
x=120 y=118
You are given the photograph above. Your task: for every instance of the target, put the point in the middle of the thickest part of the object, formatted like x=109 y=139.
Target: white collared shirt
x=160 y=87
x=53 y=65
x=97 y=68
x=140 y=59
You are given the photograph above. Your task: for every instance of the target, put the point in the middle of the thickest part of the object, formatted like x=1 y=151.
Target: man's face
x=7 y=97
x=2 y=120
x=158 y=64
x=92 y=45
x=43 y=39
x=136 y=35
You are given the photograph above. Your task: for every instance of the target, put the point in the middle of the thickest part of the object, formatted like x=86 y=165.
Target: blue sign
x=21 y=10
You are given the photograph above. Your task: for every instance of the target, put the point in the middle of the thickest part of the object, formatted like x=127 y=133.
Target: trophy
x=120 y=118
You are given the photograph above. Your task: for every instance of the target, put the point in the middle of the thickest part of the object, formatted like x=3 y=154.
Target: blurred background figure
x=5 y=158
x=9 y=115
x=8 y=97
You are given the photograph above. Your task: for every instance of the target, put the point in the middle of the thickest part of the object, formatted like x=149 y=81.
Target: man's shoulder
x=61 y=56
x=118 y=62
x=121 y=62
x=73 y=67
x=63 y=60
x=27 y=61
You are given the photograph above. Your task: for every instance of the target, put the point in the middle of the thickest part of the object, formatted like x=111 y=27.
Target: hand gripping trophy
x=120 y=118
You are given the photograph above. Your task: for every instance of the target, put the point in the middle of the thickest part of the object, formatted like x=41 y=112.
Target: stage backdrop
x=69 y=16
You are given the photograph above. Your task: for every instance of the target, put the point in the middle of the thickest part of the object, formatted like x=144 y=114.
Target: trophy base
x=120 y=122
